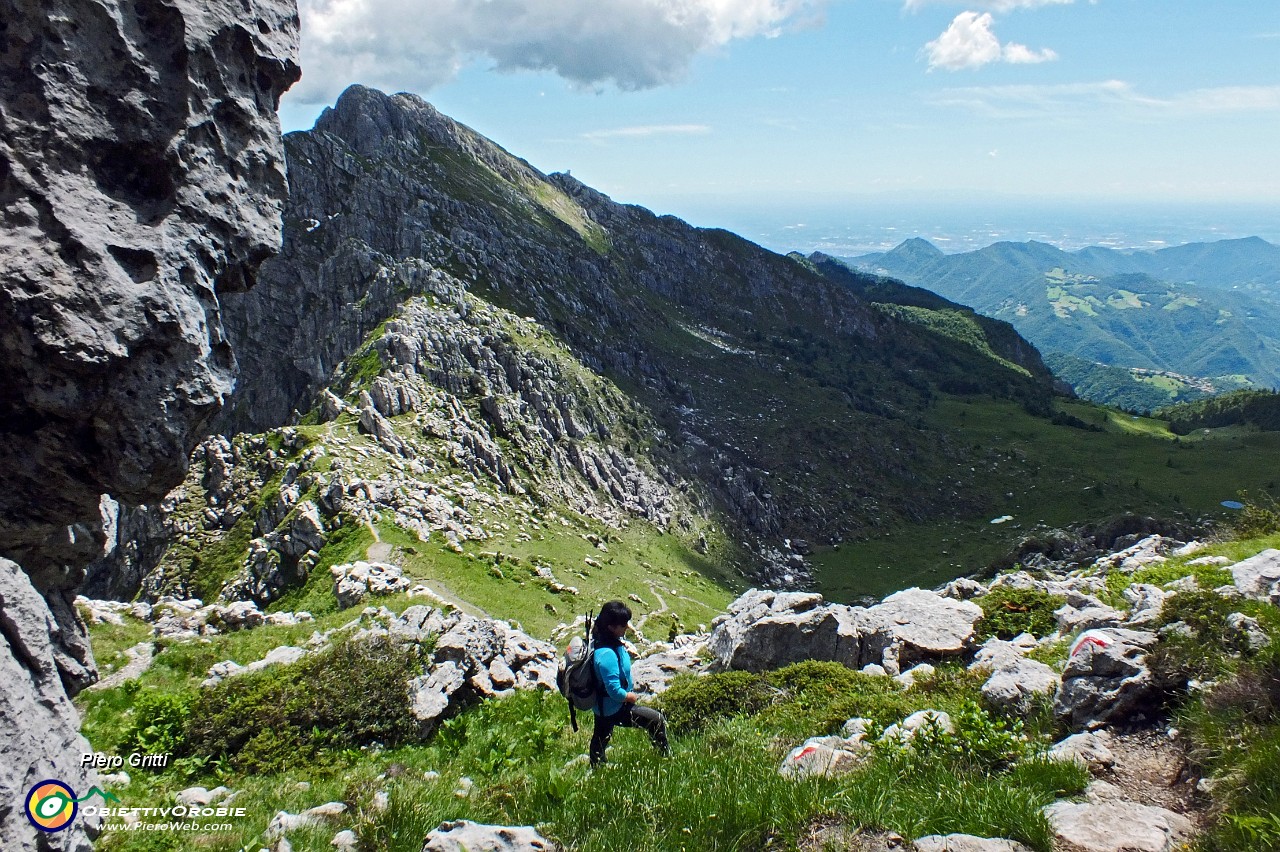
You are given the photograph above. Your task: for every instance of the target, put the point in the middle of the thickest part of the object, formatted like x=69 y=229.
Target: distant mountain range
x=1209 y=310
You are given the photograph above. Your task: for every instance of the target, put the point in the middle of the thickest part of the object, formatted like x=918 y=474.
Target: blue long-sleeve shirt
x=613 y=666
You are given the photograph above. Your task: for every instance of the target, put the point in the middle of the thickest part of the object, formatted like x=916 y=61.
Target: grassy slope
x=719 y=790
x=1056 y=477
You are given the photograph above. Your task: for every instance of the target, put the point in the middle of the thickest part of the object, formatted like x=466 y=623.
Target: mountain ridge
x=1205 y=309
x=392 y=200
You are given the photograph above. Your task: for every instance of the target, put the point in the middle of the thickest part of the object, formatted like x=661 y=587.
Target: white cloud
x=418 y=44
x=1020 y=54
x=649 y=130
x=989 y=5
x=970 y=43
x=1088 y=98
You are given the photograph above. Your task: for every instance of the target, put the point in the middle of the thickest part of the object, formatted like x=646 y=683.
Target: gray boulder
x=466 y=836
x=766 y=630
x=967 y=843
x=1118 y=826
x=354 y=581
x=1086 y=612
x=1016 y=683
x=1258 y=577
x=926 y=624
x=1090 y=749
x=652 y=672
x=1245 y=633
x=1106 y=679
x=1145 y=603
x=825 y=757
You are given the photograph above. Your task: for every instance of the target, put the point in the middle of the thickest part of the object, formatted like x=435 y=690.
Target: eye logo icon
x=51 y=805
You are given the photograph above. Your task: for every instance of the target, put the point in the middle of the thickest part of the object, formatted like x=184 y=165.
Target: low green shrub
x=1007 y=612
x=159 y=719
x=1205 y=612
x=810 y=696
x=1260 y=516
x=978 y=741
x=350 y=695
x=690 y=703
x=816 y=677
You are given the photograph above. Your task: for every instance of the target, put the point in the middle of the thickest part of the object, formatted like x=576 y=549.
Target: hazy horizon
x=864 y=226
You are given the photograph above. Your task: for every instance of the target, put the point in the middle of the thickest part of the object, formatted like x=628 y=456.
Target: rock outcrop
x=1118 y=826
x=1106 y=679
x=141 y=177
x=39 y=729
x=1259 y=576
x=765 y=630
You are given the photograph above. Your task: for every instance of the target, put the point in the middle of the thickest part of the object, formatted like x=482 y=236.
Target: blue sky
x=691 y=106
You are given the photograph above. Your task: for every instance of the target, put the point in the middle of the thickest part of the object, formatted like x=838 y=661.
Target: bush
x=159 y=719
x=815 y=677
x=980 y=741
x=350 y=695
x=690 y=703
x=1007 y=612
x=1260 y=516
x=1205 y=612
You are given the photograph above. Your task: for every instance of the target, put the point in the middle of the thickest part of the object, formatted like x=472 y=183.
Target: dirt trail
x=139 y=661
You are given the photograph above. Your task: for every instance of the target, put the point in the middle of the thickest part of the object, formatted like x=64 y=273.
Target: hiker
x=617 y=703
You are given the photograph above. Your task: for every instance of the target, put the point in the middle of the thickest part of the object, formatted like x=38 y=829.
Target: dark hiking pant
x=630 y=716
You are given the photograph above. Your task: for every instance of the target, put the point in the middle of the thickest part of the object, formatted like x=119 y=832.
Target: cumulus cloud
x=989 y=5
x=1020 y=54
x=418 y=44
x=970 y=43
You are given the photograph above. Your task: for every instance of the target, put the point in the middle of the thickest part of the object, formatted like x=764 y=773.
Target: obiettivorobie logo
x=51 y=805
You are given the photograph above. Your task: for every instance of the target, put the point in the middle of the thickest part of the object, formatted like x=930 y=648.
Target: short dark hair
x=611 y=615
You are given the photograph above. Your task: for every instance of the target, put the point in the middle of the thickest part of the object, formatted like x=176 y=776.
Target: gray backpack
x=577 y=678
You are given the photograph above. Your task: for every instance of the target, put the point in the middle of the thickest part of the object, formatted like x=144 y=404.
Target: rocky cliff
x=142 y=178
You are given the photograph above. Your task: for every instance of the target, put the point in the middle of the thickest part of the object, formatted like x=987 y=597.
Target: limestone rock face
x=39 y=731
x=141 y=175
